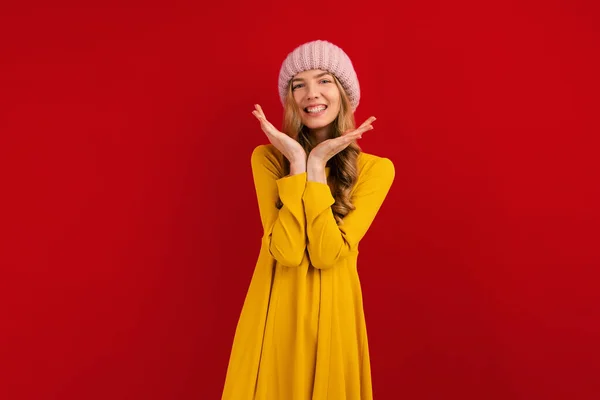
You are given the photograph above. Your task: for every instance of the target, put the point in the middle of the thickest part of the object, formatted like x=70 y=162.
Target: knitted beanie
x=320 y=54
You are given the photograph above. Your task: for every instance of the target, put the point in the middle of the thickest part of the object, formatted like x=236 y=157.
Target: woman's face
x=317 y=97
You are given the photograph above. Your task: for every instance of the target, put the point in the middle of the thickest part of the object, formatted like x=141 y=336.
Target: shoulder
x=373 y=165
x=264 y=150
x=267 y=155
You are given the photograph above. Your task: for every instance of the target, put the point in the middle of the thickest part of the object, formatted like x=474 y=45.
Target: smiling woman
x=317 y=113
x=301 y=333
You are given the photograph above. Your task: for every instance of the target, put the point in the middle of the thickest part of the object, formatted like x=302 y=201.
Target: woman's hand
x=330 y=147
x=288 y=146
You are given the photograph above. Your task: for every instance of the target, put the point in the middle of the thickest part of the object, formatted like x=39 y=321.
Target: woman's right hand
x=288 y=146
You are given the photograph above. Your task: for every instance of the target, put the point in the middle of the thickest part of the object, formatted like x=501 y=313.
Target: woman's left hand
x=330 y=147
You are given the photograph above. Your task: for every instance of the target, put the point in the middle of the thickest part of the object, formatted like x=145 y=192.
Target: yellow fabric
x=301 y=333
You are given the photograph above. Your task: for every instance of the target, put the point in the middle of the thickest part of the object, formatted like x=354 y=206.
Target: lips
x=315 y=105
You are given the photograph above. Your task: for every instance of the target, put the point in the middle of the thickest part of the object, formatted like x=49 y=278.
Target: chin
x=313 y=125
x=316 y=124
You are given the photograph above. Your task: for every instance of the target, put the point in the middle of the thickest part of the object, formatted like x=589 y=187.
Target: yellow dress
x=301 y=333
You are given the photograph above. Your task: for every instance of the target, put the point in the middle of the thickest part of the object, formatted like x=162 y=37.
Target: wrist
x=298 y=158
x=315 y=162
x=297 y=167
x=316 y=171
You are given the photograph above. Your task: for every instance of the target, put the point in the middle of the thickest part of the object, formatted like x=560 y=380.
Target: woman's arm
x=327 y=242
x=285 y=228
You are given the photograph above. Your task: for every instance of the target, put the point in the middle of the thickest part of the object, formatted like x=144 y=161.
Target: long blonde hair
x=343 y=171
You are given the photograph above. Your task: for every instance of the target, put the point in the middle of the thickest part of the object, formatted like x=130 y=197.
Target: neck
x=321 y=134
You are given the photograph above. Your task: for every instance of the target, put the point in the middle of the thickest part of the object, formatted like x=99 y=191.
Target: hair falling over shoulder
x=343 y=171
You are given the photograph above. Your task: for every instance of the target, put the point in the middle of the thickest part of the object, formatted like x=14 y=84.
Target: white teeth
x=316 y=109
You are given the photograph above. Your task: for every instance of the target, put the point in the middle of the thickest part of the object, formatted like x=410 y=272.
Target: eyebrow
x=314 y=77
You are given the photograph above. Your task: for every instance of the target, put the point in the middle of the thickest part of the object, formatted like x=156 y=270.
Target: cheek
x=336 y=98
x=337 y=106
x=297 y=95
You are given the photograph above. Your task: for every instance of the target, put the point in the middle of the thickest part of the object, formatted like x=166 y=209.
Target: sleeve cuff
x=317 y=198
x=291 y=187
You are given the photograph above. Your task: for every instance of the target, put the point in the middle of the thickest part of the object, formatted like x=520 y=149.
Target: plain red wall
x=129 y=221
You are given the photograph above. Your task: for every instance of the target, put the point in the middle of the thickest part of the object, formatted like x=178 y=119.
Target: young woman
x=301 y=333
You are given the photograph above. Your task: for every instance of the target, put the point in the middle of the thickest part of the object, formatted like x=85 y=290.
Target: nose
x=313 y=91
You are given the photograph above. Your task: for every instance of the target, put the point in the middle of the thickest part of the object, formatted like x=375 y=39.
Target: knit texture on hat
x=320 y=54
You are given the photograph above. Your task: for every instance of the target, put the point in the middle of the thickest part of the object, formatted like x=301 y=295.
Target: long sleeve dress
x=301 y=333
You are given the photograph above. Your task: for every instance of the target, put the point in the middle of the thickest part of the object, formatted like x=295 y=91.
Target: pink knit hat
x=320 y=54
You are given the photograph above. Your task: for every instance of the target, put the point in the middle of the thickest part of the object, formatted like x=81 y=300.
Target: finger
x=256 y=110
x=368 y=121
x=347 y=139
x=260 y=110
x=362 y=130
x=357 y=134
x=266 y=126
x=259 y=117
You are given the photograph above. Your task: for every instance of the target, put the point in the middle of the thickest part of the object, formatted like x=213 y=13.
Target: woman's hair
x=343 y=166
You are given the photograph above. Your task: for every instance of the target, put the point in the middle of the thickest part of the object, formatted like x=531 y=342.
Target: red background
x=130 y=228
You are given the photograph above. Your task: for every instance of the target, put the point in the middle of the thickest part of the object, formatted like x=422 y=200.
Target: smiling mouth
x=320 y=109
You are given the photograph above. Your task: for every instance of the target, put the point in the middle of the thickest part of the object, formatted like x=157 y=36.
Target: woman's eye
x=300 y=84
